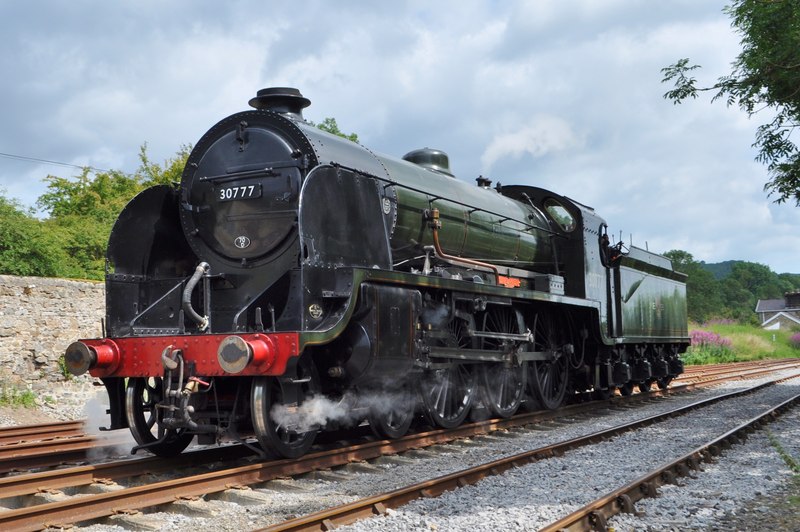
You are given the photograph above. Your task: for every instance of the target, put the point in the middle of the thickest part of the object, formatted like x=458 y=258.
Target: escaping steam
x=320 y=412
x=110 y=443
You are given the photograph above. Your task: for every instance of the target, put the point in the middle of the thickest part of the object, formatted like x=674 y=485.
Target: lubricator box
x=553 y=284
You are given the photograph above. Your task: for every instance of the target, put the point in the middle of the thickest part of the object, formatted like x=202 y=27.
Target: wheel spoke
x=447 y=393
x=396 y=422
x=268 y=392
x=141 y=409
x=501 y=386
x=549 y=379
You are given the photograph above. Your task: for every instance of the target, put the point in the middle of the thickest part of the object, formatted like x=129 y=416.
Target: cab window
x=560 y=214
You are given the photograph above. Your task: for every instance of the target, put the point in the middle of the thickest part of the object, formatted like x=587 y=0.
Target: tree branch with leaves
x=765 y=75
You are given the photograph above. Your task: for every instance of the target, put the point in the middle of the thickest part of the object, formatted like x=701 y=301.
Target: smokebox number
x=237 y=193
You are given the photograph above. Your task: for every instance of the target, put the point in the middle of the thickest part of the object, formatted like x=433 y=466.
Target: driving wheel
x=502 y=384
x=447 y=393
x=548 y=379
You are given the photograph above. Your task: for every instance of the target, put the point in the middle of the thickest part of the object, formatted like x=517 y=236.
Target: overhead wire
x=48 y=161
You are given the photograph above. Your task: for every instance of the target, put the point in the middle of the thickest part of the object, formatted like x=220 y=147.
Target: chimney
x=286 y=100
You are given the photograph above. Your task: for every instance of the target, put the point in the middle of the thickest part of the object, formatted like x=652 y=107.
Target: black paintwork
x=306 y=231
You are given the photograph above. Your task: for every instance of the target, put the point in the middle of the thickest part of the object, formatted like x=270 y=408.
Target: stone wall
x=39 y=318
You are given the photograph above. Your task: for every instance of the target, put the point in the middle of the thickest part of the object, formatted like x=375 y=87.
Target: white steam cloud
x=110 y=443
x=320 y=411
x=546 y=134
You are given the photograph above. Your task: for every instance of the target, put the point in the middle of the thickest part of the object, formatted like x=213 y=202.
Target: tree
x=330 y=125
x=25 y=247
x=765 y=75
x=757 y=279
x=790 y=281
x=739 y=303
x=151 y=173
x=83 y=210
x=99 y=196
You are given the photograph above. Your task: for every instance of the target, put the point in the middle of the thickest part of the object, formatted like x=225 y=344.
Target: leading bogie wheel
x=280 y=427
x=142 y=396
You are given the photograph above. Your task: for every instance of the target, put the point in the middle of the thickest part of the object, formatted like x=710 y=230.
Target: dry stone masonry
x=39 y=318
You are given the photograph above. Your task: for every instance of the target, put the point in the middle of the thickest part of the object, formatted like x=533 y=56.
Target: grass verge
x=734 y=342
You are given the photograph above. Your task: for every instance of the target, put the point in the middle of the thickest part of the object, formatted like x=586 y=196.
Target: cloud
x=565 y=95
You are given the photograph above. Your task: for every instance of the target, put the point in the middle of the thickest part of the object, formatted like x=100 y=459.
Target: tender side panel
x=651 y=301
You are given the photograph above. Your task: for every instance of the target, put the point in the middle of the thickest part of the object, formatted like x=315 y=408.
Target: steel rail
x=720 y=369
x=31 y=454
x=694 y=370
x=760 y=362
x=14 y=435
x=27 y=484
x=595 y=515
x=81 y=475
x=370 y=506
x=741 y=374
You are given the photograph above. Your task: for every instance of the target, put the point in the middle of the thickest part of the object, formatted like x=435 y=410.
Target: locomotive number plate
x=239 y=192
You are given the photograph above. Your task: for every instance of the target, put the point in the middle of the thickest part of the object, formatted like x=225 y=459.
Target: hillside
x=729 y=289
x=721 y=270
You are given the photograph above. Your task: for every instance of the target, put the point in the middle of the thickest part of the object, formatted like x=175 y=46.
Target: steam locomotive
x=291 y=264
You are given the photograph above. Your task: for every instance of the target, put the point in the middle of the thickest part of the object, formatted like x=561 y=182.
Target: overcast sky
x=562 y=94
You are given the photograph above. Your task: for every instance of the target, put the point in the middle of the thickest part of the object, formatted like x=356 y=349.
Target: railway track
x=68 y=443
x=127 y=499
x=219 y=481
x=743 y=370
x=593 y=516
x=42 y=431
x=60 y=450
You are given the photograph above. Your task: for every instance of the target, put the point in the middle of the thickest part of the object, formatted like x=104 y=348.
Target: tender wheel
x=548 y=379
x=627 y=388
x=529 y=402
x=663 y=383
x=395 y=422
x=447 y=393
x=271 y=418
x=502 y=385
x=602 y=394
x=646 y=386
x=144 y=418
